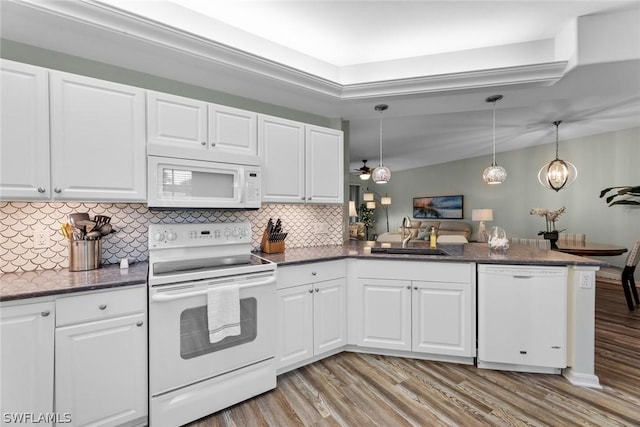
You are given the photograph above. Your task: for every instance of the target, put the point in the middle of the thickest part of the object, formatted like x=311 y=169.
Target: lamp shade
x=482 y=214
x=352 y=208
x=371 y=205
x=367 y=197
x=386 y=200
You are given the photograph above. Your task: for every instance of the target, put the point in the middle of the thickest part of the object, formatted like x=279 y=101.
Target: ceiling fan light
x=365 y=176
x=381 y=175
x=494 y=174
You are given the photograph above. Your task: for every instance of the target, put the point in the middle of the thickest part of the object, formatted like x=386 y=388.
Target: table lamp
x=482 y=215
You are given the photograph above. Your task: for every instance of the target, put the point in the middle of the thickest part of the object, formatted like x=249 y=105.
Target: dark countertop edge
x=69 y=290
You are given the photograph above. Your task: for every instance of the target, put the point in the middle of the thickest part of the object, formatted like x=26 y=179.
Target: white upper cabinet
x=185 y=127
x=24 y=137
x=97 y=139
x=301 y=163
x=283 y=160
x=176 y=121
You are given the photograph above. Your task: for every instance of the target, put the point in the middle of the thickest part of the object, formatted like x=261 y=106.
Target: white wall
x=603 y=160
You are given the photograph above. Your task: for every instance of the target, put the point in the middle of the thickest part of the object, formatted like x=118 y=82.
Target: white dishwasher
x=522 y=318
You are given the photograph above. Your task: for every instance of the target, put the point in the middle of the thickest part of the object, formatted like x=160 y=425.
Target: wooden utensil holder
x=271 y=247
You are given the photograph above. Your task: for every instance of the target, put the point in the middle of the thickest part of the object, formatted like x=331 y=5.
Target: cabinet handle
x=204 y=143
x=57 y=190
x=102 y=306
x=310 y=291
x=45 y=313
x=313 y=273
x=139 y=323
x=213 y=144
x=408 y=287
x=309 y=198
x=41 y=190
x=302 y=198
x=415 y=288
x=317 y=290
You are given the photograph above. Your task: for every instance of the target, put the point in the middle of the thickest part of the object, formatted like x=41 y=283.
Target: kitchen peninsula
x=344 y=298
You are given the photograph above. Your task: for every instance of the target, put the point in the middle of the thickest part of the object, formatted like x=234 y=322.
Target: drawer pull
x=45 y=313
x=102 y=306
x=139 y=323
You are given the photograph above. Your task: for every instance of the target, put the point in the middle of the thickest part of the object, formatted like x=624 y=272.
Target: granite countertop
x=42 y=283
x=14 y=286
x=470 y=252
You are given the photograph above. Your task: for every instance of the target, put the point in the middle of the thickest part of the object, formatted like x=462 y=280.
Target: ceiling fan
x=365 y=171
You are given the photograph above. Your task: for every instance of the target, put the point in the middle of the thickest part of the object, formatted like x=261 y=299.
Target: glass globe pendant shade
x=381 y=175
x=494 y=174
x=557 y=174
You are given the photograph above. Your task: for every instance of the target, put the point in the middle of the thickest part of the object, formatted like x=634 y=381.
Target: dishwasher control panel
x=522 y=271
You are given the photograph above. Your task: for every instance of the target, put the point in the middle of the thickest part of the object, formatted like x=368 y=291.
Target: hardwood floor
x=351 y=389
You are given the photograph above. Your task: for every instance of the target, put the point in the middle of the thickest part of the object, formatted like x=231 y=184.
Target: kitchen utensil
x=82 y=216
x=93 y=235
x=105 y=229
x=101 y=220
x=86 y=225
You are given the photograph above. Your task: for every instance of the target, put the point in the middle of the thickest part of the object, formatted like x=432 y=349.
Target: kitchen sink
x=410 y=251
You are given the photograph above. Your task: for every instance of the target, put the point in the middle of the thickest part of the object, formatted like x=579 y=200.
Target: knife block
x=271 y=247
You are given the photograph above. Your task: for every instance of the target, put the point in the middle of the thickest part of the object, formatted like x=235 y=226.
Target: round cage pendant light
x=557 y=174
x=494 y=174
x=381 y=174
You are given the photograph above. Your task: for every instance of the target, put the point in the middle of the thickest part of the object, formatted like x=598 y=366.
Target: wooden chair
x=572 y=238
x=534 y=243
x=625 y=275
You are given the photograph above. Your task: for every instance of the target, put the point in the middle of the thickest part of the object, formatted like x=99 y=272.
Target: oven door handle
x=159 y=297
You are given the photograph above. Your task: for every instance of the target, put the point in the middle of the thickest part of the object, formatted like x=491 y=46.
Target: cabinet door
x=282 y=148
x=24 y=134
x=329 y=315
x=26 y=333
x=325 y=165
x=523 y=321
x=175 y=121
x=232 y=130
x=101 y=371
x=97 y=140
x=385 y=314
x=443 y=316
x=295 y=325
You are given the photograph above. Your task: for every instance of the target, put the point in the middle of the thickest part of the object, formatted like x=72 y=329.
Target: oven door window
x=194 y=330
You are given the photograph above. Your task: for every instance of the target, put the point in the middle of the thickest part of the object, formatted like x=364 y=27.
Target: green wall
x=604 y=160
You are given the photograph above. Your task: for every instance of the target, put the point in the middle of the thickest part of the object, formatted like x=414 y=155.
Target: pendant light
x=557 y=174
x=381 y=174
x=494 y=174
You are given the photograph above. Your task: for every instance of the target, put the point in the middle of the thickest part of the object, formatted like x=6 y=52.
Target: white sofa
x=421 y=230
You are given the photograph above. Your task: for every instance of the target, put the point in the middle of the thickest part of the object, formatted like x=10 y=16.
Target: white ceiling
x=432 y=62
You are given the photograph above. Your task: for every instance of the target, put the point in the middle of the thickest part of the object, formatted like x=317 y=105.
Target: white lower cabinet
x=312 y=312
x=26 y=362
x=101 y=358
x=416 y=307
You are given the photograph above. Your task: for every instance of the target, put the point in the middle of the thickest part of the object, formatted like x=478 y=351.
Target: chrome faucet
x=406 y=222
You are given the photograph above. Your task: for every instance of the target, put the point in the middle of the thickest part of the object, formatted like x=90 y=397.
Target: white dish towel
x=223 y=312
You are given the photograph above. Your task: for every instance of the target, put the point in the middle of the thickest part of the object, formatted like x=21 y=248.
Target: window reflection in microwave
x=188 y=183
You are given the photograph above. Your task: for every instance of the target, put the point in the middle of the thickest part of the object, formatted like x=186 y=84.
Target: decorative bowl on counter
x=497 y=240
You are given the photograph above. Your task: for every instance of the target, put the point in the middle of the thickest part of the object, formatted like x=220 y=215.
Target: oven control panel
x=190 y=235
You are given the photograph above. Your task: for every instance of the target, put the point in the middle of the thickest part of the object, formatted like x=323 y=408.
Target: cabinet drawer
x=295 y=275
x=100 y=305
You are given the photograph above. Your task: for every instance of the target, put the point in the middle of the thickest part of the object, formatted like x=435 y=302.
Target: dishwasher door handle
x=161 y=297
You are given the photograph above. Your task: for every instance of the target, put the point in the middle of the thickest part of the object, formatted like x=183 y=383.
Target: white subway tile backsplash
x=131 y=221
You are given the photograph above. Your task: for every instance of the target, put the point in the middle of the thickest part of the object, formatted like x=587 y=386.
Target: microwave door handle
x=159 y=297
x=243 y=184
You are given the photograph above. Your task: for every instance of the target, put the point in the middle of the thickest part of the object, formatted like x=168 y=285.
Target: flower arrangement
x=550 y=216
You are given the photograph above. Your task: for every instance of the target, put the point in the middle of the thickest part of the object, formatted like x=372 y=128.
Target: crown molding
x=110 y=22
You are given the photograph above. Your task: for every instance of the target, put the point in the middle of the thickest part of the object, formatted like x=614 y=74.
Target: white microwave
x=191 y=184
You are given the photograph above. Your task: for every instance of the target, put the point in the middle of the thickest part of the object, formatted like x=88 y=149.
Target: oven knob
x=171 y=236
x=159 y=236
